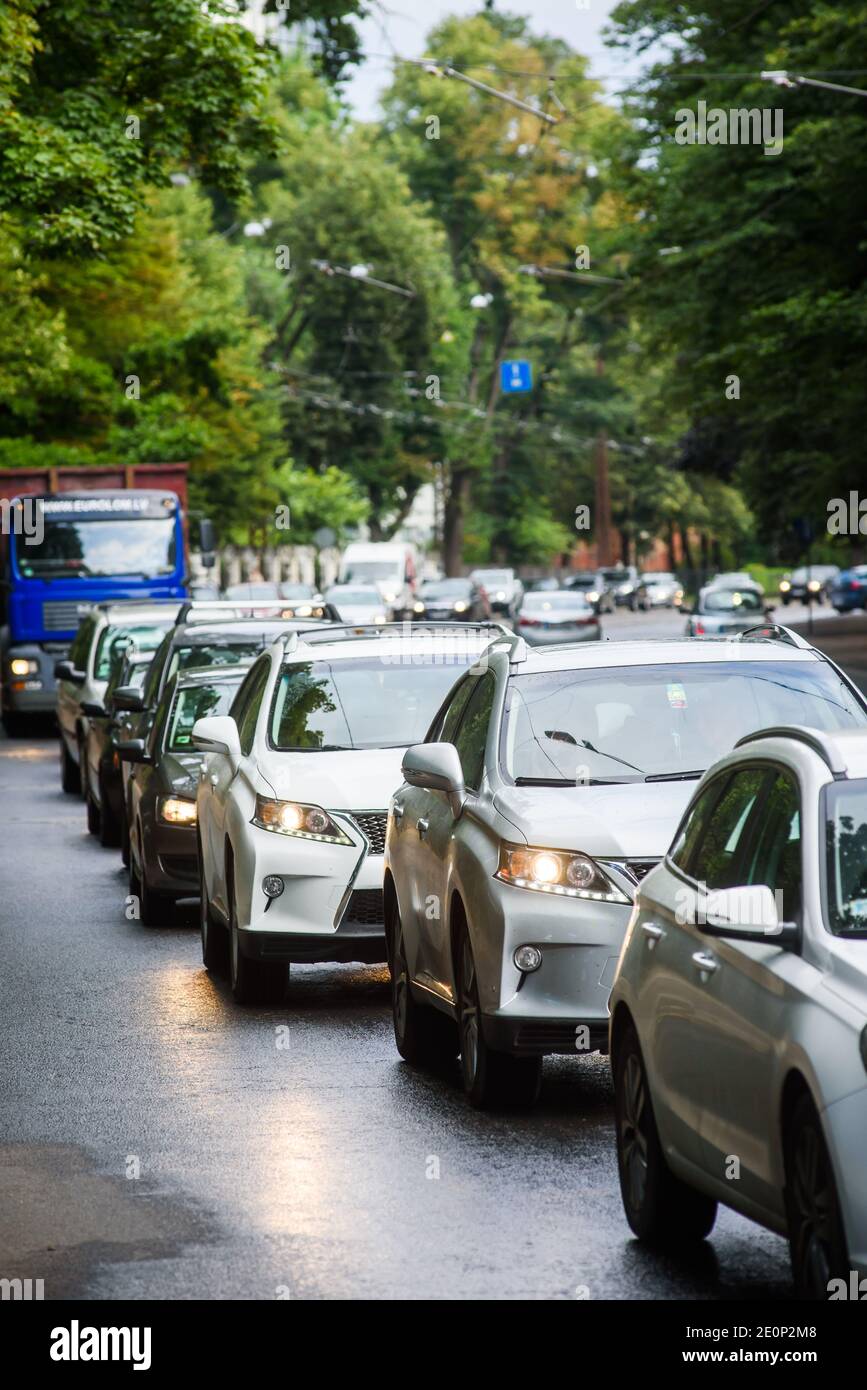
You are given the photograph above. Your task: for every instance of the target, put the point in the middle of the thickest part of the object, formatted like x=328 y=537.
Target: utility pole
x=602 y=507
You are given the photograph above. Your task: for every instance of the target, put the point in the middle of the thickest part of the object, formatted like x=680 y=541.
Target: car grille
x=640 y=868
x=557 y=1037
x=372 y=824
x=366 y=906
x=61 y=615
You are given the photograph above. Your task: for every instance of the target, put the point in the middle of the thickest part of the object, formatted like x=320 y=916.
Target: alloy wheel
x=469 y=1012
x=813 y=1200
x=633 y=1132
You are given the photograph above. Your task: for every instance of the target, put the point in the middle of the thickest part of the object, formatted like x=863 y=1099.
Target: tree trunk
x=453 y=522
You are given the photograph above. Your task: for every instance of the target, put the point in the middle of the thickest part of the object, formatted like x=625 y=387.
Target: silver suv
x=550 y=783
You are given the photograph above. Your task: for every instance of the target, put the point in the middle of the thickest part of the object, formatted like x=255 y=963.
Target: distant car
x=566 y=616
x=734 y=579
x=721 y=611
x=622 y=581
x=254 y=589
x=105 y=726
x=658 y=590
x=849 y=589
x=738 y=1043
x=357 y=603
x=452 y=600
x=594 y=588
x=546 y=585
x=82 y=675
x=503 y=588
x=301 y=595
x=164 y=863
x=809 y=584
x=204 y=590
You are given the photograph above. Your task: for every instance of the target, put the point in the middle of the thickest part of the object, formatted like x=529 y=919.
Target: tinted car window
x=472 y=735
x=845 y=885
x=775 y=860
x=246 y=717
x=717 y=859
x=693 y=825
x=114 y=639
x=192 y=703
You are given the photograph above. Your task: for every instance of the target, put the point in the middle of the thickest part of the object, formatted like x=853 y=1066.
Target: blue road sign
x=516 y=376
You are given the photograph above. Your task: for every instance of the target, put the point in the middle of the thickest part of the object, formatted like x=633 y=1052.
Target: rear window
x=113 y=640
x=220 y=654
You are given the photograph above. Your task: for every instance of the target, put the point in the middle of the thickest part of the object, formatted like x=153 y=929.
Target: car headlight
x=418 y=608
x=177 y=810
x=22 y=666
x=500 y=596
x=785 y=586
x=460 y=606
x=593 y=596
x=814 y=586
x=562 y=872
x=389 y=595
x=379 y=618
x=295 y=818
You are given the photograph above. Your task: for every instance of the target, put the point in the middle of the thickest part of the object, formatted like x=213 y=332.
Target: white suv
x=293 y=795
x=738 y=1035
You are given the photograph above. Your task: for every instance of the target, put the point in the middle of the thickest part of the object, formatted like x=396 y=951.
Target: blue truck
x=70 y=538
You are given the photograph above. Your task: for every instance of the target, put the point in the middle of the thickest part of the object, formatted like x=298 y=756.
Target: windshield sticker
x=676 y=696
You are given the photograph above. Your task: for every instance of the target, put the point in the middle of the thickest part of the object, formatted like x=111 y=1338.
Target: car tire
x=109 y=825
x=155 y=909
x=424 y=1037
x=252 y=981
x=94 y=818
x=491 y=1079
x=82 y=767
x=660 y=1209
x=817 y=1240
x=70 y=775
x=215 y=938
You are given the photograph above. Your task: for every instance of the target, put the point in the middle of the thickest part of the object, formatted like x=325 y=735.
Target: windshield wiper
x=674 y=776
x=571 y=781
x=585 y=743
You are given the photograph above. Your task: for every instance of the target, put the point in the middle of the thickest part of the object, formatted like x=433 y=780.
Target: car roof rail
x=816 y=739
x=273 y=609
x=514 y=644
x=338 y=632
x=775 y=632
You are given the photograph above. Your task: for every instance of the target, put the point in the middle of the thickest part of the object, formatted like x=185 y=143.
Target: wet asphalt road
x=280 y=1152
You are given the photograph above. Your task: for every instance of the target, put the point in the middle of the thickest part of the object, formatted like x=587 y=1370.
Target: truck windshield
x=99 y=549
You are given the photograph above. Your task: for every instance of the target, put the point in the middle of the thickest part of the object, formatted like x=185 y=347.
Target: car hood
x=635 y=820
x=362 y=779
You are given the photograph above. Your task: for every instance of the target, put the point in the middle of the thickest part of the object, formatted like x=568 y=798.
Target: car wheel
x=817 y=1241
x=423 y=1035
x=94 y=819
x=156 y=909
x=252 y=981
x=215 y=938
x=109 y=825
x=490 y=1078
x=70 y=776
x=660 y=1208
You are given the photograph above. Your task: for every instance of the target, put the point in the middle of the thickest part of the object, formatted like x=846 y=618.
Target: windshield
x=543 y=602
x=846 y=857
x=730 y=601
x=359 y=703
x=452 y=588
x=97 y=549
x=114 y=640
x=632 y=722
x=493 y=576
x=197 y=702
x=374 y=569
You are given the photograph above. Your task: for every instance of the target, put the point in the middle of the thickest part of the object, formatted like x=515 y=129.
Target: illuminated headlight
x=527 y=959
x=814 y=586
x=379 y=618
x=418 y=608
x=177 y=810
x=501 y=595
x=785 y=586
x=593 y=596
x=21 y=666
x=555 y=871
x=294 y=818
x=460 y=606
x=389 y=595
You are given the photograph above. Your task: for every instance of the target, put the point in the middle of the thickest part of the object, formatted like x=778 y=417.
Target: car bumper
x=845 y=1123
x=331 y=906
x=563 y=1006
x=536 y=637
x=173 y=860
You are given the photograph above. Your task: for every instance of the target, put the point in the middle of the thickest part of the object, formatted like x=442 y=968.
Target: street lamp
x=436 y=70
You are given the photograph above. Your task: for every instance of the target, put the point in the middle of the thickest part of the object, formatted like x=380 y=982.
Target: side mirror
x=437 y=767
x=93 y=710
x=127 y=697
x=207 y=542
x=747 y=913
x=218 y=733
x=65 y=671
x=132 y=750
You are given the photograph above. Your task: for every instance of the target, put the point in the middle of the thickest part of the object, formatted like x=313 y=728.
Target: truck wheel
x=70 y=777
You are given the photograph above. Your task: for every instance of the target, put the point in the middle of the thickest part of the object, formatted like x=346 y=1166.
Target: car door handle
x=704 y=962
x=423 y=825
x=652 y=932
x=397 y=811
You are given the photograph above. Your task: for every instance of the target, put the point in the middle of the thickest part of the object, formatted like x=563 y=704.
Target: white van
x=390 y=565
